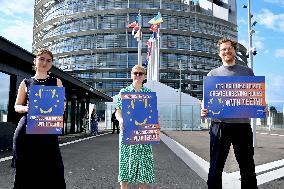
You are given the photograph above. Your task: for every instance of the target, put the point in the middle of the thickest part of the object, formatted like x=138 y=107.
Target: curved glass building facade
x=90 y=38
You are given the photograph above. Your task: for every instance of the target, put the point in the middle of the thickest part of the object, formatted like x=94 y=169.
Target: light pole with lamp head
x=180 y=117
x=251 y=53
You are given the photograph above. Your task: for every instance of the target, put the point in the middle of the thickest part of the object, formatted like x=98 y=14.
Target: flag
x=138 y=35
x=154 y=35
x=153 y=48
x=157 y=19
x=149 y=43
x=134 y=26
x=154 y=27
x=146 y=63
x=133 y=32
x=148 y=55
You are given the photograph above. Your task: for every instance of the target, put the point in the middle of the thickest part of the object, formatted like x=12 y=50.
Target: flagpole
x=158 y=55
x=154 y=54
x=139 y=41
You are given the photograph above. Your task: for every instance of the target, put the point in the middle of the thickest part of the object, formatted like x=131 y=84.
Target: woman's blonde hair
x=137 y=66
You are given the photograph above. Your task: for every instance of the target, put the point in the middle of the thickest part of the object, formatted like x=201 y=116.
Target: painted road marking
x=269 y=176
x=272 y=134
x=6 y=158
x=265 y=170
x=82 y=139
x=63 y=144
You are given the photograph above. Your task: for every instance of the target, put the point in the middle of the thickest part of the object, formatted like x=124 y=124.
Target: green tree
x=272 y=109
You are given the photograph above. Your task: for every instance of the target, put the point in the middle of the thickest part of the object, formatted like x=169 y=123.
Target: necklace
x=41 y=80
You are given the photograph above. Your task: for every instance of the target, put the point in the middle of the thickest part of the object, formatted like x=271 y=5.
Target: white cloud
x=266 y=51
x=273 y=1
x=12 y=7
x=271 y=20
x=279 y=53
x=278 y=2
x=243 y=42
x=242 y=21
x=19 y=32
x=274 y=87
x=257 y=42
x=4 y=92
x=16 y=22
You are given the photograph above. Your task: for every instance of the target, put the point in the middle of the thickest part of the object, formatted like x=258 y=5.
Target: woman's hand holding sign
x=204 y=112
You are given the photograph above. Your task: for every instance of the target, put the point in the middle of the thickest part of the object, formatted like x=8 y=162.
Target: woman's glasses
x=138 y=73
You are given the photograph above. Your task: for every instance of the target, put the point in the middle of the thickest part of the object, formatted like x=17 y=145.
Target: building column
x=73 y=113
x=12 y=115
x=82 y=113
x=88 y=103
x=66 y=113
x=77 y=129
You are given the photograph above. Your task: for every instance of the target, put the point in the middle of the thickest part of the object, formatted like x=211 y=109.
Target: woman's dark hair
x=41 y=52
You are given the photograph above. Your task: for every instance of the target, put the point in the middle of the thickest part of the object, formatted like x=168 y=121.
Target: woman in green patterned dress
x=135 y=161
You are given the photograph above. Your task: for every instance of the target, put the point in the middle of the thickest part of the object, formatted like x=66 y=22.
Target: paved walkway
x=92 y=162
x=181 y=160
x=269 y=157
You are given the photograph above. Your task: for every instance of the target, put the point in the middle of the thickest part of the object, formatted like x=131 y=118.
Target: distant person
x=86 y=121
x=235 y=131
x=136 y=163
x=115 y=123
x=38 y=159
x=94 y=122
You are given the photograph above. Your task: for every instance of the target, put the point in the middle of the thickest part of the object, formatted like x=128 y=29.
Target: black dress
x=37 y=157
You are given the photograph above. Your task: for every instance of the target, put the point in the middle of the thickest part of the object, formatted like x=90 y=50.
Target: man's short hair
x=137 y=66
x=224 y=40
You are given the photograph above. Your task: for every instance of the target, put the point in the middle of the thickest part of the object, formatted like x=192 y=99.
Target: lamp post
x=251 y=52
x=180 y=117
x=250 y=37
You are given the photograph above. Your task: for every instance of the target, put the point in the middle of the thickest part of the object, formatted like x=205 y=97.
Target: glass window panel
x=4 y=93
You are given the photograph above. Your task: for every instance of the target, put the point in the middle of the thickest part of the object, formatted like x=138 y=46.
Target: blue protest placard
x=140 y=118
x=46 y=109
x=234 y=96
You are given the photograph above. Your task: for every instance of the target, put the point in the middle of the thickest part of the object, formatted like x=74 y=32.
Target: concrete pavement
x=92 y=162
x=181 y=161
x=269 y=157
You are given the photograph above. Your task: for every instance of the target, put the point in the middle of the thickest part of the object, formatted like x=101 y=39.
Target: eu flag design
x=46 y=109
x=140 y=118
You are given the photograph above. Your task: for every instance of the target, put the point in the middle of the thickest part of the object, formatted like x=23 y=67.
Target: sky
x=4 y=92
x=16 y=25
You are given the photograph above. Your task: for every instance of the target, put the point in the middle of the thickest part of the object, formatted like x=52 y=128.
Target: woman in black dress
x=38 y=159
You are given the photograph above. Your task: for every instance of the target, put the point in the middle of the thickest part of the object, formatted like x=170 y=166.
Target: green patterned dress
x=135 y=161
